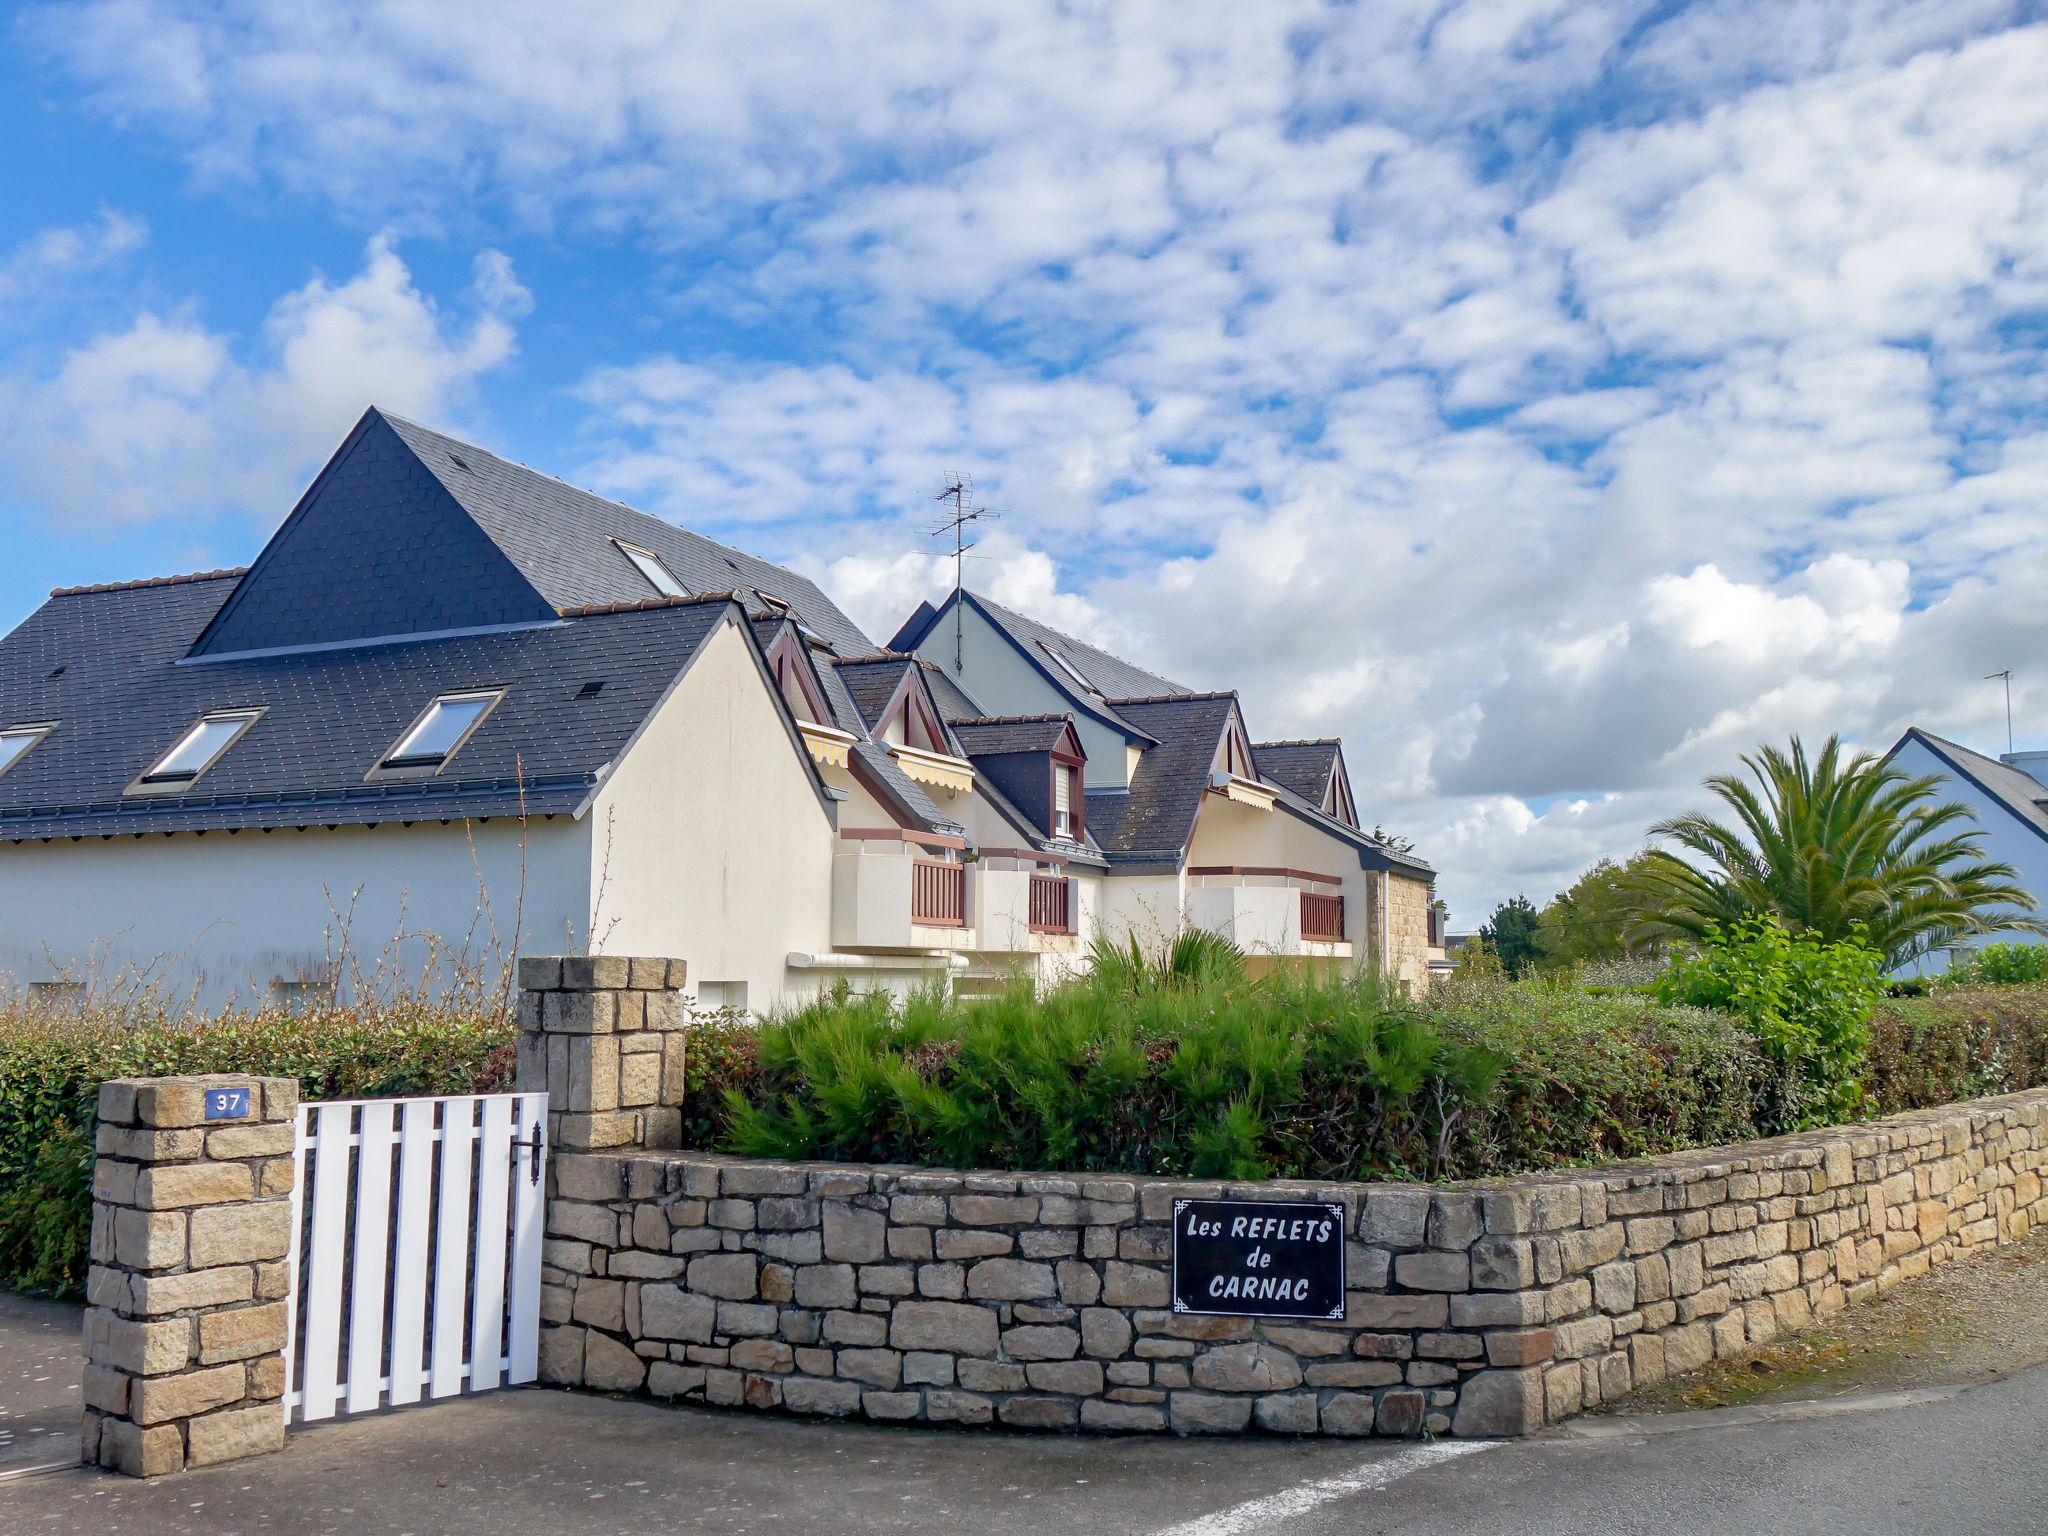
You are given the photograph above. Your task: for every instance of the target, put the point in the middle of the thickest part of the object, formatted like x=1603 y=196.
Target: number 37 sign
x=227 y=1103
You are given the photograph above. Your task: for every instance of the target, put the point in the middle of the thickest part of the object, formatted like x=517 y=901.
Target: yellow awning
x=935 y=768
x=1244 y=791
x=828 y=744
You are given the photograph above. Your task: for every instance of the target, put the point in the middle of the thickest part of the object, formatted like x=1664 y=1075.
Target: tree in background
x=1392 y=840
x=1591 y=920
x=1511 y=934
x=1842 y=847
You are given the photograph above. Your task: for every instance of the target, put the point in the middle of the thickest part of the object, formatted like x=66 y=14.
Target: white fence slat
x=373 y=1233
x=529 y=1197
x=451 y=1247
x=291 y=1307
x=493 y=1186
x=409 y=1280
x=324 y=1266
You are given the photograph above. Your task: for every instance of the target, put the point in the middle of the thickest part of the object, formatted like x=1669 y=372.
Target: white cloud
x=168 y=419
x=1553 y=396
x=52 y=256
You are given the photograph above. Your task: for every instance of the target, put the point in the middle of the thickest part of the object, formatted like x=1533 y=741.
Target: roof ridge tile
x=138 y=584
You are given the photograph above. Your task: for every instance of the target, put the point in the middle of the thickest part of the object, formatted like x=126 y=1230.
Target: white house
x=455 y=709
x=2009 y=796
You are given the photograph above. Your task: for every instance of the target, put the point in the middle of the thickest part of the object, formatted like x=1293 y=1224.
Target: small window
x=1063 y=802
x=1070 y=669
x=648 y=564
x=15 y=743
x=199 y=748
x=440 y=732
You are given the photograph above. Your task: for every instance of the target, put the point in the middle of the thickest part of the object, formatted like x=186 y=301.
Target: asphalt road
x=544 y=1461
x=40 y=1395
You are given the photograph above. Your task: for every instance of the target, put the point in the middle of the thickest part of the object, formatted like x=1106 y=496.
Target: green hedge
x=51 y=1068
x=1956 y=1044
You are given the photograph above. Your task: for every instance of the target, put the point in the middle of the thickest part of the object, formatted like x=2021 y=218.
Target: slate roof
x=953 y=701
x=1108 y=675
x=990 y=736
x=1158 y=814
x=2016 y=790
x=1302 y=766
x=123 y=697
x=871 y=682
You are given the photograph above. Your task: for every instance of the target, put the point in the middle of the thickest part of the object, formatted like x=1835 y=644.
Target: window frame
x=392 y=766
x=154 y=781
x=635 y=554
x=34 y=730
x=1074 y=673
x=1077 y=797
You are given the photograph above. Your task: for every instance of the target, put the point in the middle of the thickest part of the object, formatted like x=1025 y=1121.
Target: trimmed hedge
x=51 y=1068
x=1956 y=1044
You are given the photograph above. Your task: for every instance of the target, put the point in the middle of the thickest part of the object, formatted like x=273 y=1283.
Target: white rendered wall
x=1229 y=834
x=219 y=918
x=709 y=840
x=2006 y=838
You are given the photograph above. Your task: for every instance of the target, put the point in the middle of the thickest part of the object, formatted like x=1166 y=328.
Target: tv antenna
x=959 y=490
x=2006 y=674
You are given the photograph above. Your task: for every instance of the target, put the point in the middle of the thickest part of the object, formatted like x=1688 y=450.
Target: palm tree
x=1827 y=845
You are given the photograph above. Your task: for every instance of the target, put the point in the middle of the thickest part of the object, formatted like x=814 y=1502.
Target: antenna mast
x=959 y=490
x=2006 y=674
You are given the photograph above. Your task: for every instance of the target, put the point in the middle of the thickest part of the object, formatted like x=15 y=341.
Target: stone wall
x=191 y=1227
x=1408 y=929
x=1042 y=1301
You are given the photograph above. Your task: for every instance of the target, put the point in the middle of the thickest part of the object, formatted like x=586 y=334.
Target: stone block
x=1039 y=1412
x=234 y=1433
x=874 y=1367
x=240 y=1234
x=1396 y=1217
x=958 y=1328
x=1246 y=1368
x=167 y=1187
x=1121 y=1418
x=1011 y=1280
x=1133 y=1285
x=1105 y=1333
x=670 y=1312
x=232 y=1141
x=954 y=1244
x=1432 y=1271
x=1286 y=1413
x=1503 y=1264
x=834 y=1399
x=160 y=1399
x=241 y=1333
x=149 y=1239
x=1497 y=1402
x=138 y=1452
x=947 y=1407
x=1041 y=1343
x=728 y=1276
x=140 y=1348
x=994 y=1210
x=609 y=1366
x=1205 y=1413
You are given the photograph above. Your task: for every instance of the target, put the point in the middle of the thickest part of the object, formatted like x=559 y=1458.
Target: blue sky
x=1553 y=399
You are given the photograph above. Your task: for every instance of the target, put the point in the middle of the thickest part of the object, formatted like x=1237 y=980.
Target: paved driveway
x=39 y=1382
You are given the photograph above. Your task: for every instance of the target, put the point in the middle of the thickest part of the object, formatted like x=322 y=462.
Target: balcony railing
x=938 y=893
x=1049 y=911
x=1322 y=918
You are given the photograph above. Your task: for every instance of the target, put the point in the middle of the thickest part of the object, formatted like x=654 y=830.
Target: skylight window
x=648 y=564
x=1070 y=669
x=440 y=732
x=199 y=748
x=16 y=741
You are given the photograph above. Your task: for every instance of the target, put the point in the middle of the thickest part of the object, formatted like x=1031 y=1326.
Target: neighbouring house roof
x=1302 y=766
x=107 y=668
x=1045 y=649
x=871 y=682
x=2015 y=790
x=954 y=702
x=408 y=531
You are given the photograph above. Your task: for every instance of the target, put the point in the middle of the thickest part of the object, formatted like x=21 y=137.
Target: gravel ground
x=1970 y=1321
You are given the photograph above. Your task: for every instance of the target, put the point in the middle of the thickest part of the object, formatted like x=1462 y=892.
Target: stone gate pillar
x=191 y=1233
x=603 y=1036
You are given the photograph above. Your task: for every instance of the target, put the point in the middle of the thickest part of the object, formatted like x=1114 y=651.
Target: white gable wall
x=2005 y=838
x=219 y=918
x=709 y=842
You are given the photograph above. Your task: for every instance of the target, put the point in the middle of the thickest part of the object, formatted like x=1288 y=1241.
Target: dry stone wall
x=1042 y=1302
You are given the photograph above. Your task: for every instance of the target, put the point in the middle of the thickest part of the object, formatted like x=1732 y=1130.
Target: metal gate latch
x=533 y=1145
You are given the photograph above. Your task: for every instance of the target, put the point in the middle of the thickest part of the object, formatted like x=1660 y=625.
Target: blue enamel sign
x=227 y=1103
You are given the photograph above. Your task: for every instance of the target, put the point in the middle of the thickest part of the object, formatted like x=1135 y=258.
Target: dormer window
x=648 y=564
x=440 y=731
x=1069 y=800
x=16 y=742
x=196 y=751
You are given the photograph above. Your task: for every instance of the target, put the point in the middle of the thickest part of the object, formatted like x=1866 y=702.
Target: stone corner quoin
x=1043 y=1301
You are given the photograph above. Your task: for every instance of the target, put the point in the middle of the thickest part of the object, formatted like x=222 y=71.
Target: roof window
x=440 y=732
x=648 y=564
x=198 y=749
x=1070 y=669
x=16 y=741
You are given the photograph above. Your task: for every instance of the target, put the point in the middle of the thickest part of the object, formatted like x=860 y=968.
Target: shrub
x=1283 y=1078
x=1807 y=1001
x=1957 y=1045
x=2000 y=965
x=51 y=1068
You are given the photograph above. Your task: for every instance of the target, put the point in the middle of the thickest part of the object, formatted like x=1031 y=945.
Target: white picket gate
x=415 y=1269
